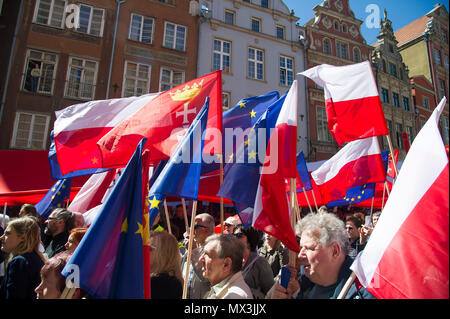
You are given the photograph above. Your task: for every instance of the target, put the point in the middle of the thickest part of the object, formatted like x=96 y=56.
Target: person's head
x=52 y=282
x=323 y=247
x=75 y=236
x=179 y=213
x=248 y=236
x=28 y=210
x=271 y=242
x=78 y=219
x=352 y=226
x=203 y=227
x=22 y=235
x=60 y=220
x=375 y=217
x=164 y=255
x=229 y=225
x=361 y=216
x=322 y=210
x=221 y=258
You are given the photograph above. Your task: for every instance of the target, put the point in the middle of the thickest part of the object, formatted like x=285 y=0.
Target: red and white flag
x=271 y=211
x=357 y=163
x=352 y=102
x=407 y=255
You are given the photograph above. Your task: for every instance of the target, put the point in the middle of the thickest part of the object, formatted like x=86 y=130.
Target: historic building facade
x=333 y=37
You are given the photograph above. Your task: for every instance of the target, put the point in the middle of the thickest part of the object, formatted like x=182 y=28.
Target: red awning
x=25 y=177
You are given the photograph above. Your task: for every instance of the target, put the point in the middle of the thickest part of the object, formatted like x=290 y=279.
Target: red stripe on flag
x=413 y=251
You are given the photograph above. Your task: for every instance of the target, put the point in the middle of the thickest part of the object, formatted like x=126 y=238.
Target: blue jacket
x=22 y=277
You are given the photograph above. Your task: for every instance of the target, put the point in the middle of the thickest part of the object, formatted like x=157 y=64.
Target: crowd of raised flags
x=169 y=132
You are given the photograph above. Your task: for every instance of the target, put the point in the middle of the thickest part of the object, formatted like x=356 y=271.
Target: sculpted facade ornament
x=339 y=5
x=353 y=31
x=326 y=22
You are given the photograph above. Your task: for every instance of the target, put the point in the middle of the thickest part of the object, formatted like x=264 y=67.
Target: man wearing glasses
x=353 y=226
x=58 y=225
x=198 y=286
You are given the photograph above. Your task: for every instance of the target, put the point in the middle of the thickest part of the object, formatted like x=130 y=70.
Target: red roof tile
x=412 y=30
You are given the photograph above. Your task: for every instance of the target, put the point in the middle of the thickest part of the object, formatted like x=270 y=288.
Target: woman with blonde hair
x=165 y=266
x=23 y=265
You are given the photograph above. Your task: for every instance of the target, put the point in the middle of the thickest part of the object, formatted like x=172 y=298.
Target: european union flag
x=242 y=172
x=155 y=200
x=55 y=169
x=54 y=198
x=303 y=174
x=355 y=195
x=180 y=177
x=109 y=258
x=385 y=159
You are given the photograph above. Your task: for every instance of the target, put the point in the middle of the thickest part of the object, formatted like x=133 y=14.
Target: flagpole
x=221 y=198
x=307 y=200
x=166 y=211
x=371 y=207
x=384 y=191
x=392 y=155
x=4 y=215
x=347 y=286
x=293 y=194
x=387 y=189
x=186 y=223
x=315 y=202
x=191 y=241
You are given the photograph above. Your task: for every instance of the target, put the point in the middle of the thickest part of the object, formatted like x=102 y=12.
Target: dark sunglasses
x=199 y=226
x=239 y=235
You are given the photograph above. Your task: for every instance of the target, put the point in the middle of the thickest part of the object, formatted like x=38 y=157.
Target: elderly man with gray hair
x=323 y=255
x=221 y=264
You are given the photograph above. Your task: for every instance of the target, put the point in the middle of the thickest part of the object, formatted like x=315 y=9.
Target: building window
x=30 y=131
x=385 y=139
x=174 y=36
x=336 y=26
x=81 y=78
x=280 y=32
x=383 y=63
x=247 y=1
x=446 y=61
x=341 y=50
x=444 y=36
x=400 y=71
x=255 y=64
x=356 y=55
x=398 y=135
x=444 y=131
x=395 y=99
x=256 y=24
x=406 y=103
x=170 y=79
x=385 y=95
x=229 y=17
x=141 y=29
x=323 y=133
x=222 y=55
x=226 y=100
x=136 y=79
x=40 y=71
x=326 y=46
x=344 y=28
x=392 y=69
x=441 y=89
x=286 y=70
x=437 y=57
x=50 y=12
x=265 y=3
x=391 y=48
x=91 y=20
x=426 y=102
x=409 y=133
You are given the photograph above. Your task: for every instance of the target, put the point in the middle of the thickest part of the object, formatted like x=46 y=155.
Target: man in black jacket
x=58 y=225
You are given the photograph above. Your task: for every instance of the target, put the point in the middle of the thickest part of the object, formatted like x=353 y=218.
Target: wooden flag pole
x=166 y=211
x=186 y=223
x=387 y=189
x=384 y=191
x=315 y=202
x=371 y=206
x=392 y=155
x=221 y=198
x=293 y=194
x=307 y=200
x=191 y=241
x=347 y=286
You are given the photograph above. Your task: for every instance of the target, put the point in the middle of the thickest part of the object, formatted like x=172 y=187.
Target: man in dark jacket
x=58 y=225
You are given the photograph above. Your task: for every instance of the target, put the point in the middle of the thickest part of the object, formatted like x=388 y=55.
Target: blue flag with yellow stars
x=54 y=198
x=109 y=259
x=355 y=195
x=155 y=200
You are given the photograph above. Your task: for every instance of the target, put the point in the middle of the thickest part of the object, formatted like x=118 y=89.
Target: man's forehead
x=307 y=239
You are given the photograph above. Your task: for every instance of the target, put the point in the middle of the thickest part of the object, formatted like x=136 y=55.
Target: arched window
x=326 y=46
x=344 y=28
x=356 y=55
x=383 y=63
x=336 y=26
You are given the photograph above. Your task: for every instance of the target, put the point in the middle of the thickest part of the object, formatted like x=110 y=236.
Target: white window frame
x=83 y=67
x=256 y=62
x=31 y=130
x=89 y=27
x=225 y=15
x=228 y=94
x=339 y=46
x=282 y=27
x=425 y=102
x=170 y=84
x=441 y=88
x=358 y=51
x=286 y=70
x=42 y=60
x=328 y=41
x=322 y=125
x=136 y=78
x=222 y=54
x=143 y=18
x=174 y=43
x=52 y=6
x=259 y=24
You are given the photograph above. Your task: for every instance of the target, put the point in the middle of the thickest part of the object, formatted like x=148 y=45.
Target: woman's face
x=10 y=240
x=71 y=244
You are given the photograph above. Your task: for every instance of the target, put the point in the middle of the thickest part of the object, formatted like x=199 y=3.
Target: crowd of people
x=239 y=263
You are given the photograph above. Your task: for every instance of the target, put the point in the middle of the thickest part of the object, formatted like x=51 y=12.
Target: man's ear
x=336 y=250
x=227 y=263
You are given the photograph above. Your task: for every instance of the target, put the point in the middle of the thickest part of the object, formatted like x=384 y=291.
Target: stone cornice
x=340 y=16
x=238 y=3
x=334 y=36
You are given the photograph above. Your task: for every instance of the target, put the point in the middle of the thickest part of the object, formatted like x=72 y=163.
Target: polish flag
x=352 y=102
x=272 y=210
x=407 y=255
x=79 y=127
x=357 y=163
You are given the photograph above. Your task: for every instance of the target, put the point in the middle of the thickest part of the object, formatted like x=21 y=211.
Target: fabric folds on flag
x=271 y=210
x=109 y=258
x=357 y=163
x=180 y=177
x=54 y=198
x=355 y=195
x=352 y=102
x=407 y=255
x=303 y=180
x=164 y=121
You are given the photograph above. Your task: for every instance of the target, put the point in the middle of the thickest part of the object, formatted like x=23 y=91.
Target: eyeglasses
x=239 y=235
x=52 y=218
x=199 y=226
x=349 y=228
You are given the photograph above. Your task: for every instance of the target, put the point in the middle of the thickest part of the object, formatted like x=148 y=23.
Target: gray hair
x=322 y=210
x=209 y=220
x=229 y=246
x=66 y=216
x=326 y=229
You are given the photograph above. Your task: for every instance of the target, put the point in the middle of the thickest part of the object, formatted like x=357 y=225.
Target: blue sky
x=400 y=12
